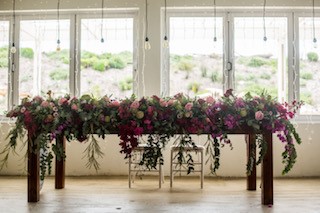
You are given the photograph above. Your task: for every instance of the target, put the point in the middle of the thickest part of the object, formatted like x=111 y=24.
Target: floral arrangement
x=85 y=118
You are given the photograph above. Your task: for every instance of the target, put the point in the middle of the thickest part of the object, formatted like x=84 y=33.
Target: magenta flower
x=188 y=106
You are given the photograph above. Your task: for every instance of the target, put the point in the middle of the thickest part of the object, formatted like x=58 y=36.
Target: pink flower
x=74 y=107
x=259 y=115
x=210 y=100
x=150 y=110
x=163 y=103
x=23 y=109
x=62 y=101
x=188 y=106
x=170 y=102
x=135 y=105
x=115 y=103
x=45 y=104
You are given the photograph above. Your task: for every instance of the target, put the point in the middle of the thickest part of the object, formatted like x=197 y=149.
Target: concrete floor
x=111 y=194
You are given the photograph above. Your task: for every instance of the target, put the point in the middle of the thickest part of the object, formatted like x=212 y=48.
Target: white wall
x=232 y=162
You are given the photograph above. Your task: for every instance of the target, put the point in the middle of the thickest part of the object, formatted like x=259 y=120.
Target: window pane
x=106 y=67
x=42 y=67
x=196 y=61
x=4 y=41
x=309 y=66
x=261 y=65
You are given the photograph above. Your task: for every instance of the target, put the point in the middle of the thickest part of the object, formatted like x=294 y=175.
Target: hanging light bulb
x=315 y=45
x=264 y=21
x=58 y=17
x=165 y=42
x=165 y=38
x=58 y=45
x=215 y=21
x=102 y=16
x=147 y=45
x=13 y=49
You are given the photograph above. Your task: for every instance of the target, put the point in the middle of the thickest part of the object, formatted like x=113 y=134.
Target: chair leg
x=202 y=172
x=129 y=172
x=171 y=169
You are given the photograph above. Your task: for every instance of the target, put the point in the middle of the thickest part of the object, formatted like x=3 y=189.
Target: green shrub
x=126 y=56
x=126 y=84
x=216 y=76
x=62 y=55
x=194 y=87
x=257 y=89
x=185 y=65
x=265 y=76
x=4 y=57
x=312 y=56
x=306 y=75
x=116 y=62
x=99 y=65
x=306 y=97
x=59 y=74
x=88 y=62
x=256 y=61
x=27 y=52
x=204 y=71
x=86 y=54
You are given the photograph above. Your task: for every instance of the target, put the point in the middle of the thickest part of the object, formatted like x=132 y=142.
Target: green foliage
x=204 y=71
x=306 y=75
x=306 y=97
x=126 y=84
x=116 y=62
x=4 y=57
x=265 y=76
x=27 y=52
x=59 y=74
x=257 y=89
x=216 y=76
x=62 y=55
x=100 y=65
x=194 y=87
x=256 y=61
x=313 y=56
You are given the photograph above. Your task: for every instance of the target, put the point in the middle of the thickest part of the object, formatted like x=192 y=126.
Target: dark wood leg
x=33 y=172
x=60 y=164
x=267 y=173
x=251 y=152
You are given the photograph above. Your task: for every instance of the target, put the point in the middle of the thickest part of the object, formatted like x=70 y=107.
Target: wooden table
x=266 y=170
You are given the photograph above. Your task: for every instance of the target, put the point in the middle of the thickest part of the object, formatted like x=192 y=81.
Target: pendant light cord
x=215 y=20
x=102 y=17
x=313 y=24
x=58 y=16
x=147 y=39
x=165 y=20
x=14 y=21
x=264 y=21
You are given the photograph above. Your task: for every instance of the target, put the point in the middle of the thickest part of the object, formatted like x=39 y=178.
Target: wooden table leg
x=33 y=171
x=60 y=164
x=267 y=173
x=251 y=152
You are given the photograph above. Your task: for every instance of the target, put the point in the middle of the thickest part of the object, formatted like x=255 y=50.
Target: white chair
x=173 y=161
x=134 y=165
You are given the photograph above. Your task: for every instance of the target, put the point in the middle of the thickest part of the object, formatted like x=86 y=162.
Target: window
x=4 y=57
x=107 y=67
x=42 y=67
x=309 y=66
x=261 y=65
x=196 y=60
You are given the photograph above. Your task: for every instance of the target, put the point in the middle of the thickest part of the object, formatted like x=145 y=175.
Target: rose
x=74 y=107
x=45 y=104
x=139 y=114
x=188 y=114
x=115 y=103
x=23 y=109
x=259 y=115
x=188 y=106
x=210 y=100
x=135 y=105
x=243 y=112
x=163 y=103
x=62 y=101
